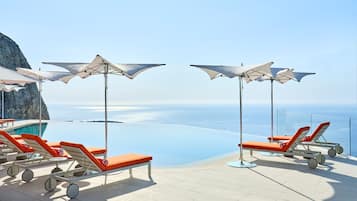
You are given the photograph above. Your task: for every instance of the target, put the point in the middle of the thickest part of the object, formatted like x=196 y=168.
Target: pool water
x=30 y=129
x=183 y=134
x=169 y=144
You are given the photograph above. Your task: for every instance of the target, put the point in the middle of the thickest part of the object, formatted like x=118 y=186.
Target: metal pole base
x=269 y=154
x=241 y=164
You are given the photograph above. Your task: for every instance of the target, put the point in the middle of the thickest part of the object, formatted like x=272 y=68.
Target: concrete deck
x=21 y=123
x=274 y=178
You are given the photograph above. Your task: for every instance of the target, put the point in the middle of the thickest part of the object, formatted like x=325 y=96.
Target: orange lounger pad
x=93 y=150
x=263 y=146
x=276 y=147
x=54 y=144
x=126 y=160
x=111 y=163
x=281 y=137
x=16 y=136
x=96 y=150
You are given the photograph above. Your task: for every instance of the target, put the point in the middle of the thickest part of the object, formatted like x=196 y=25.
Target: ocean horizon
x=256 y=117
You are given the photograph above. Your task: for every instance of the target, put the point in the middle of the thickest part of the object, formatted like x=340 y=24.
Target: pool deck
x=274 y=178
x=22 y=123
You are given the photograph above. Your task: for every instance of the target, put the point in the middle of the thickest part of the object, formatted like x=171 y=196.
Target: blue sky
x=314 y=36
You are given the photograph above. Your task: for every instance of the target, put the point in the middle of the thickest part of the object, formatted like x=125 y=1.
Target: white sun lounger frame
x=316 y=143
x=88 y=168
x=11 y=149
x=40 y=157
x=310 y=155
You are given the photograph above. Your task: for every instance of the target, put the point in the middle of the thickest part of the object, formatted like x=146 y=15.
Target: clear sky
x=314 y=36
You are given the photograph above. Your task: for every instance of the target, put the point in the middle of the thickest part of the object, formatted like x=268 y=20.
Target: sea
x=225 y=117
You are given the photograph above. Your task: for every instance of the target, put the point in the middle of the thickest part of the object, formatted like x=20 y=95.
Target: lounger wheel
x=23 y=157
x=56 y=169
x=312 y=163
x=13 y=170
x=72 y=190
x=321 y=159
x=289 y=155
x=78 y=174
x=3 y=160
x=308 y=156
x=27 y=175
x=339 y=149
x=50 y=184
x=331 y=152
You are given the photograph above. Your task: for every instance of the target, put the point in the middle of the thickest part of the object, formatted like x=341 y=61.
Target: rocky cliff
x=23 y=104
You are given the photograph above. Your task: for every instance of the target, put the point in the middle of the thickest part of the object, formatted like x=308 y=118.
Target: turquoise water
x=30 y=129
x=181 y=134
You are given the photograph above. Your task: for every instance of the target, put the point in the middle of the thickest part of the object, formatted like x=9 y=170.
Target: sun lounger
x=314 y=140
x=47 y=155
x=288 y=148
x=6 y=121
x=14 y=146
x=94 y=167
x=16 y=137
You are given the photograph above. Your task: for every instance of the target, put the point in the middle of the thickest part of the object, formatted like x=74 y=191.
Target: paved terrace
x=274 y=178
x=20 y=123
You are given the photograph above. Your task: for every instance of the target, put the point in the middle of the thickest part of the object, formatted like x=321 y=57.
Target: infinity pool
x=169 y=144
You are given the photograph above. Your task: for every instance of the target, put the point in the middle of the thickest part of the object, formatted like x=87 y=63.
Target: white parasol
x=41 y=76
x=7 y=88
x=281 y=75
x=247 y=73
x=99 y=65
x=9 y=77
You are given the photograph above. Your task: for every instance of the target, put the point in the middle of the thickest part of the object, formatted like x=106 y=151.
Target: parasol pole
x=40 y=119
x=272 y=108
x=240 y=121
x=2 y=104
x=106 y=114
x=241 y=163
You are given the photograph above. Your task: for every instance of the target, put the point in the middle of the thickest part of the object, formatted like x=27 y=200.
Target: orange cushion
x=16 y=136
x=263 y=146
x=276 y=147
x=280 y=137
x=96 y=150
x=112 y=162
x=126 y=160
x=53 y=144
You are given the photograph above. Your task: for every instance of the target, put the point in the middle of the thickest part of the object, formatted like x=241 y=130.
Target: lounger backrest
x=296 y=139
x=8 y=120
x=39 y=146
x=318 y=132
x=79 y=153
x=3 y=121
x=12 y=143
